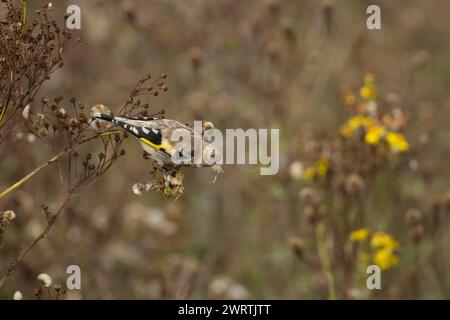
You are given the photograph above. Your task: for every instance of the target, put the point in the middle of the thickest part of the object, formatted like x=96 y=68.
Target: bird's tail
x=102 y=116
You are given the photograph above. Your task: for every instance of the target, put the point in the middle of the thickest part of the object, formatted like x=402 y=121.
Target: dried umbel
x=30 y=51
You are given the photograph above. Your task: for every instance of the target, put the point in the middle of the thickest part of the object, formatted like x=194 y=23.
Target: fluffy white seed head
x=26 y=112
x=18 y=295
x=8 y=215
x=45 y=279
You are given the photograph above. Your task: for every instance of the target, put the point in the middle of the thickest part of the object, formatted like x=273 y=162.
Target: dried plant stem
x=48 y=163
x=325 y=259
x=24 y=19
x=12 y=267
x=32 y=174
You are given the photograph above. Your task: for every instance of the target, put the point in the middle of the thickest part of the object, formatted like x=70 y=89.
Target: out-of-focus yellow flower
x=368 y=90
x=348 y=98
x=385 y=258
x=359 y=235
x=383 y=240
x=374 y=134
x=354 y=123
x=309 y=173
x=322 y=167
x=397 y=141
x=318 y=169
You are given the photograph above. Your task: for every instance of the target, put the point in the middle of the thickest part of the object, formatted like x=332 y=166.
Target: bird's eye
x=180 y=153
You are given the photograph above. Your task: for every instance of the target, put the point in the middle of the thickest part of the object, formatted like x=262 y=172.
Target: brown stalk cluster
x=30 y=52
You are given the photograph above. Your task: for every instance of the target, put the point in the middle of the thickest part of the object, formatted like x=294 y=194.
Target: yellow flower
x=348 y=99
x=354 y=123
x=383 y=241
x=374 y=134
x=322 y=167
x=309 y=173
x=318 y=169
x=397 y=141
x=359 y=234
x=367 y=92
x=385 y=258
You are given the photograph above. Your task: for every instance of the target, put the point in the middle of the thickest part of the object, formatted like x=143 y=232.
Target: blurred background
x=299 y=66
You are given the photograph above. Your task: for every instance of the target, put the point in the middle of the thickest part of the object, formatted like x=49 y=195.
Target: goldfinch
x=155 y=134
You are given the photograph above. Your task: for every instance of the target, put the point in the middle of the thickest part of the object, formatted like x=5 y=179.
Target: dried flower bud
x=309 y=196
x=446 y=201
x=421 y=59
x=416 y=233
x=311 y=214
x=195 y=54
x=82 y=118
x=42 y=132
x=296 y=170
x=273 y=5
x=287 y=29
x=296 y=246
x=73 y=123
x=413 y=216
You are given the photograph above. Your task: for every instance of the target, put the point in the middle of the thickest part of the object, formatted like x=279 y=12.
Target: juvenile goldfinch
x=155 y=134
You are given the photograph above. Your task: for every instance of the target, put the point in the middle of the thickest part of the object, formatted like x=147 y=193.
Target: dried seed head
x=273 y=6
x=354 y=184
x=62 y=113
x=208 y=125
x=312 y=214
x=296 y=246
x=31 y=138
x=195 y=54
x=446 y=202
x=413 y=216
x=18 y=295
x=287 y=29
x=295 y=170
x=8 y=215
x=45 y=279
x=308 y=196
x=73 y=123
x=421 y=59
x=416 y=233
x=26 y=112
